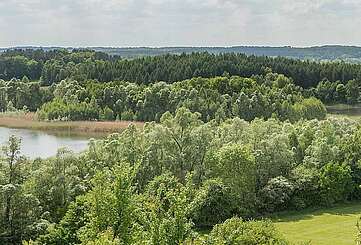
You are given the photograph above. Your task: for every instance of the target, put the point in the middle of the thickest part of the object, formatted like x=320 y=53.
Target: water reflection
x=349 y=111
x=40 y=144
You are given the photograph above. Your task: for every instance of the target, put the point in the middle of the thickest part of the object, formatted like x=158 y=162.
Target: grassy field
x=332 y=226
x=94 y=128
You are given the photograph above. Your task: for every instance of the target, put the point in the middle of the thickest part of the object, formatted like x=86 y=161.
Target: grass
x=336 y=226
x=94 y=128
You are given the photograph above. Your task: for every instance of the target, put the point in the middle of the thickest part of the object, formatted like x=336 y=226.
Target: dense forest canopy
x=56 y=65
x=162 y=183
x=271 y=95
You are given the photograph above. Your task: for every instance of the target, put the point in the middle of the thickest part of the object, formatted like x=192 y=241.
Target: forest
x=319 y=53
x=81 y=65
x=228 y=140
x=272 y=95
x=162 y=183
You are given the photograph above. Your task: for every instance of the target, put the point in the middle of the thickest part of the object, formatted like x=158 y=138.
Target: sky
x=155 y=23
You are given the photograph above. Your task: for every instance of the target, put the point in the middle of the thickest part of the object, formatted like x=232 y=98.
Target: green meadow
x=331 y=226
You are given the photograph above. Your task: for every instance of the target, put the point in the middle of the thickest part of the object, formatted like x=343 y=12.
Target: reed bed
x=29 y=121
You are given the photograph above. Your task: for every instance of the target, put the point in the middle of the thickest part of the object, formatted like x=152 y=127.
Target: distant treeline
x=56 y=65
x=328 y=52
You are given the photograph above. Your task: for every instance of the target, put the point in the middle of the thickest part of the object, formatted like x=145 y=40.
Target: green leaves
x=19 y=207
x=272 y=95
x=111 y=204
x=239 y=232
x=164 y=211
x=336 y=183
x=235 y=165
x=159 y=184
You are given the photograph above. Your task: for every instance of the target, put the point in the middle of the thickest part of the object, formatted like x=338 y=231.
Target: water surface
x=348 y=110
x=42 y=144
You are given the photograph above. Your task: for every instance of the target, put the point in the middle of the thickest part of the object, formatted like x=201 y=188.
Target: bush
x=336 y=183
x=236 y=231
x=66 y=231
x=276 y=194
x=59 y=110
x=235 y=165
x=310 y=108
x=306 y=182
x=163 y=212
x=128 y=115
x=107 y=114
x=213 y=204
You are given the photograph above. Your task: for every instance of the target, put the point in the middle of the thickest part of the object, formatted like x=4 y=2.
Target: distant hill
x=320 y=53
x=347 y=53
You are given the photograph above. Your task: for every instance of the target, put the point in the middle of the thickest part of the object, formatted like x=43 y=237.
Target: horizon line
x=180 y=46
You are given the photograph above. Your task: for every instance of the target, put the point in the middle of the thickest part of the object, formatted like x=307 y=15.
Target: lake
x=42 y=144
x=342 y=109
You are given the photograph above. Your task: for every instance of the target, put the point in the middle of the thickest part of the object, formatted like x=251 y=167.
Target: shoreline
x=93 y=128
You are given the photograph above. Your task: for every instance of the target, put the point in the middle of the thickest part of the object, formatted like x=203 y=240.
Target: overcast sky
x=179 y=22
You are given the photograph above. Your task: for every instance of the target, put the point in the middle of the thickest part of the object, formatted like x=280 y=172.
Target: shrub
x=213 y=204
x=276 y=194
x=128 y=115
x=310 y=108
x=236 y=231
x=306 y=182
x=336 y=183
x=107 y=114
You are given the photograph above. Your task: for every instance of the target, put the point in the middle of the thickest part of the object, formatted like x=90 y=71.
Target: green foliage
x=66 y=232
x=57 y=182
x=336 y=92
x=332 y=82
x=237 y=231
x=335 y=183
x=352 y=92
x=111 y=205
x=107 y=114
x=128 y=116
x=310 y=109
x=214 y=98
x=276 y=194
x=306 y=184
x=56 y=65
x=105 y=238
x=161 y=183
x=213 y=204
x=164 y=211
x=17 y=94
x=59 y=110
x=19 y=208
x=215 y=147
x=235 y=165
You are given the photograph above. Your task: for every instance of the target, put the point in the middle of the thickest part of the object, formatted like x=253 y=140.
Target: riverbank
x=96 y=128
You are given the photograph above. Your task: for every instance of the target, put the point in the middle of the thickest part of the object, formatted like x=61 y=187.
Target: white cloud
x=179 y=22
